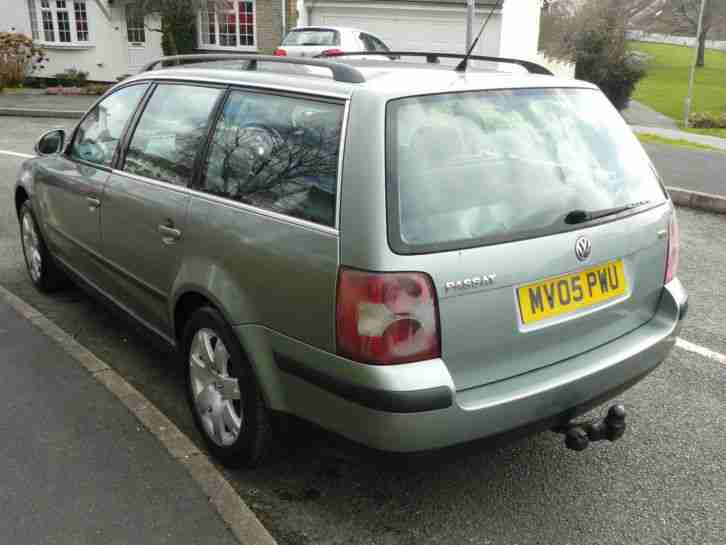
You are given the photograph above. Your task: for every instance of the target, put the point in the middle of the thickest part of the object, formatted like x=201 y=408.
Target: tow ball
x=578 y=435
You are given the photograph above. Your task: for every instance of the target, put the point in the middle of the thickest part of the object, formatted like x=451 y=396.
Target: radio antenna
x=461 y=67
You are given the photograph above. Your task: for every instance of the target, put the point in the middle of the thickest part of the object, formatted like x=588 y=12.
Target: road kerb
x=698 y=200
x=235 y=513
x=33 y=112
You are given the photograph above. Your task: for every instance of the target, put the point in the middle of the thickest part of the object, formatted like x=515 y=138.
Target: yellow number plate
x=568 y=293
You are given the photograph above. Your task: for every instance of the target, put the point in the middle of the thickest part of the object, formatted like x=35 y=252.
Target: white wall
x=107 y=55
x=15 y=19
x=561 y=69
x=520 y=29
x=409 y=26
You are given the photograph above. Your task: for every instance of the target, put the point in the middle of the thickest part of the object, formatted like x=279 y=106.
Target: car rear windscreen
x=320 y=37
x=476 y=168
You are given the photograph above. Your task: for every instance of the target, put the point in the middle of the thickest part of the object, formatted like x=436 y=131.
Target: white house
x=109 y=38
x=439 y=25
x=105 y=40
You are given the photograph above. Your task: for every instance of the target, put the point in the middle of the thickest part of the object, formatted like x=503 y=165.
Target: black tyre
x=42 y=269
x=224 y=396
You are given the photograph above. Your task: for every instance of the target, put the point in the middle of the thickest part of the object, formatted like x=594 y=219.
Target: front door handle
x=169 y=233
x=93 y=203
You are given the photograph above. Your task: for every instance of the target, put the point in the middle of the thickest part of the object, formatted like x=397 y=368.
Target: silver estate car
x=406 y=254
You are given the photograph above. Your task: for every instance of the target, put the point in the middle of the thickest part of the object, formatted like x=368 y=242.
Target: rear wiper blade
x=582 y=216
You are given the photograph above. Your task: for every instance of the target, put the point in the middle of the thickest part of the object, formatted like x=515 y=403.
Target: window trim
x=124 y=132
x=35 y=11
x=130 y=129
x=215 y=46
x=393 y=220
x=198 y=175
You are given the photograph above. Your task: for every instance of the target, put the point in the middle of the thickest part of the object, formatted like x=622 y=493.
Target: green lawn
x=665 y=87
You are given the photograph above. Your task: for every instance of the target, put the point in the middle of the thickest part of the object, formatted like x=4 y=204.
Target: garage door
x=407 y=29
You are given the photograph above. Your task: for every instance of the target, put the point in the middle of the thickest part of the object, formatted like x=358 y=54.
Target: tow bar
x=578 y=435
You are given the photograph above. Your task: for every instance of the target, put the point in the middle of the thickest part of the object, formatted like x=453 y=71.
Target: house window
x=135 y=29
x=35 y=33
x=63 y=22
x=232 y=27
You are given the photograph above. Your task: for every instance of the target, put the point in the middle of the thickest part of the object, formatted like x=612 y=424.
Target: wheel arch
x=252 y=339
x=21 y=195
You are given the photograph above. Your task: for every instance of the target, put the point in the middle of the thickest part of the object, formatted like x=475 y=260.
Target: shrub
x=19 y=57
x=72 y=77
x=594 y=38
x=707 y=120
x=178 y=34
x=96 y=88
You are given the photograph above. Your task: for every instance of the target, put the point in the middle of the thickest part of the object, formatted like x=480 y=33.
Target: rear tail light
x=332 y=52
x=386 y=318
x=279 y=52
x=674 y=249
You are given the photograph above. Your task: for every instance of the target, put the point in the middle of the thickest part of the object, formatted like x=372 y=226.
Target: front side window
x=232 y=26
x=63 y=22
x=484 y=167
x=99 y=133
x=277 y=153
x=170 y=132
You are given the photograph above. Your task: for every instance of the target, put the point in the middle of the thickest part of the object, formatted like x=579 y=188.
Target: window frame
x=122 y=148
x=122 y=140
x=36 y=11
x=131 y=12
x=216 y=46
x=130 y=130
x=393 y=219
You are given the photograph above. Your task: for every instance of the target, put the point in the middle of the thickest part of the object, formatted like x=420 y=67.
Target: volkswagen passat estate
x=408 y=255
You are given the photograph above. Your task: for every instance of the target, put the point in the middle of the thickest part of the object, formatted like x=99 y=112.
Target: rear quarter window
x=278 y=153
x=485 y=167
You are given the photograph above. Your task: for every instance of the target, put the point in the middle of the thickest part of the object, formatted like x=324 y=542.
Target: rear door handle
x=170 y=233
x=93 y=202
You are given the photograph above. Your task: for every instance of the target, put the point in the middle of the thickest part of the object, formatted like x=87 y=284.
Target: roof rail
x=433 y=58
x=341 y=72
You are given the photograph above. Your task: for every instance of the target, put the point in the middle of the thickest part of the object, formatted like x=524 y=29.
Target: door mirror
x=51 y=142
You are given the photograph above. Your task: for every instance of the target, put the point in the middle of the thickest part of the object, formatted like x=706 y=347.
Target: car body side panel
x=70 y=223
x=143 y=263
x=262 y=269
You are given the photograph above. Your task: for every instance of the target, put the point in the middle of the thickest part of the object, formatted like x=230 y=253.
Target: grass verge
x=646 y=138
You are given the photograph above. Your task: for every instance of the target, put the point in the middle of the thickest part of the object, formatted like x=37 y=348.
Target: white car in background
x=313 y=41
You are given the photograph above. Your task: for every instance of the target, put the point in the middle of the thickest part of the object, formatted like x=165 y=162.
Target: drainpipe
x=284 y=19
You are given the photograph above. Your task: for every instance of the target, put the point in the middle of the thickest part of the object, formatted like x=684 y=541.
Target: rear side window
x=476 y=168
x=170 y=132
x=99 y=133
x=312 y=37
x=277 y=153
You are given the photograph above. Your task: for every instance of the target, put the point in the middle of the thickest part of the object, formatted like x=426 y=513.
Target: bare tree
x=714 y=14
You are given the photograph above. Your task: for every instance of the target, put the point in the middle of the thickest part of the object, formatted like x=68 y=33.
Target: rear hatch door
x=537 y=214
x=310 y=42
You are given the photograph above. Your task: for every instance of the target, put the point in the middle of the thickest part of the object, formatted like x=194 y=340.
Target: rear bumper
x=386 y=409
